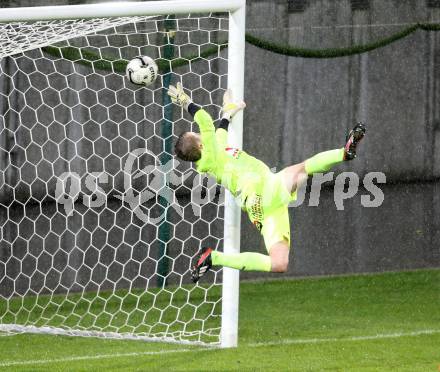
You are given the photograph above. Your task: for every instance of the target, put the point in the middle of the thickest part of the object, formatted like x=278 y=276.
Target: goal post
x=230 y=289
x=60 y=35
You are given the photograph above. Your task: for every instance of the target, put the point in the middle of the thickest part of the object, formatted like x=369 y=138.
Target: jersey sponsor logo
x=234 y=152
x=256 y=208
x=255 y=211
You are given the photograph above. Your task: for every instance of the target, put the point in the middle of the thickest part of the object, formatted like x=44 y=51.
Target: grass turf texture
x=306 y=324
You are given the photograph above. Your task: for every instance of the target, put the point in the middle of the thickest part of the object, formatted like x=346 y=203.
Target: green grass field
x=383 y=322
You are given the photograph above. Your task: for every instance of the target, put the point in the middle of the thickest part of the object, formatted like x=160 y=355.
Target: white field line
x=344 y=339
x=174 y=351
x=93 y=357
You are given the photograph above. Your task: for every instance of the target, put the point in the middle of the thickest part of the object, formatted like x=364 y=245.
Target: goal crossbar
x=117 y=9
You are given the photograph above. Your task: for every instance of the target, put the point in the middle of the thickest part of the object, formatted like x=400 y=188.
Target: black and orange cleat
x=202 y=265
x=353 y=138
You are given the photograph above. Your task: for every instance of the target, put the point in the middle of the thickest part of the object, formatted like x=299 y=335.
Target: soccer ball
x=142 y=70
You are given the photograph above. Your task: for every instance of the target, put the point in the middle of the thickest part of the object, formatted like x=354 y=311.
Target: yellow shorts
x=268 y=209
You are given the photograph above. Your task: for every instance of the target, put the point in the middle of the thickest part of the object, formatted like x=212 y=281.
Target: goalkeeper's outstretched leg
x=296 y=175
x=277 y=261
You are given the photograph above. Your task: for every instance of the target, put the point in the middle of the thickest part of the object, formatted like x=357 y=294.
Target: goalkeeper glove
x=178 y=96
x=230 y=108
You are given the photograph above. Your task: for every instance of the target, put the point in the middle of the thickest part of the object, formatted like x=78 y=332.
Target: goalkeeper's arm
x=204 y=120
x=229 y=109
x=179 y=97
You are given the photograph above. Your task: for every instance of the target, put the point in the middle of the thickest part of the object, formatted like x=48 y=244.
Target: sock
x=247 y=261
x=323 y=161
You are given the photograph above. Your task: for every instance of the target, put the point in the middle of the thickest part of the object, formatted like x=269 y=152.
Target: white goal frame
x=236 y=50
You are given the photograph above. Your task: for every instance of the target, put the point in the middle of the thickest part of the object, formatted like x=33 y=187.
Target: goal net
x=99 y=222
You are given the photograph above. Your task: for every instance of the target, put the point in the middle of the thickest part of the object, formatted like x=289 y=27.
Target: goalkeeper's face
x=189 y=146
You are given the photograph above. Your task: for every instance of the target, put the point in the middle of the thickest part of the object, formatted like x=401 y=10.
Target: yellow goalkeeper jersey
x=240 y=173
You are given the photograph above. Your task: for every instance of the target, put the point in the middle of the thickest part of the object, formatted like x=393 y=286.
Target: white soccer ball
x=142 y=70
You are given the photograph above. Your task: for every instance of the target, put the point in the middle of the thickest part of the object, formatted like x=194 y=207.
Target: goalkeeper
x=262 y=194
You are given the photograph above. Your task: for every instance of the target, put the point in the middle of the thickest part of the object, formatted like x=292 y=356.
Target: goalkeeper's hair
x=187 y=147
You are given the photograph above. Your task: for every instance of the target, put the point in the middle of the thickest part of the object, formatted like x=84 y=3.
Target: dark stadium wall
x=307 y=105
x=314 y=101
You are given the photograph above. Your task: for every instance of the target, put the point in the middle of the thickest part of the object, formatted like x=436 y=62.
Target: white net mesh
x=99 y=223
x=20 y=37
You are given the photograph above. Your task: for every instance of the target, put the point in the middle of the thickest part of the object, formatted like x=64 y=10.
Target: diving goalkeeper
x=262 y=194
